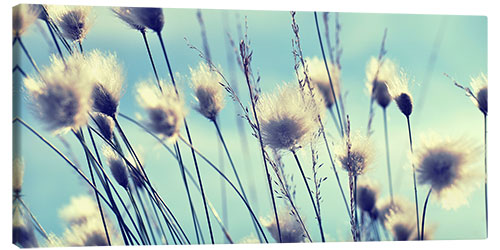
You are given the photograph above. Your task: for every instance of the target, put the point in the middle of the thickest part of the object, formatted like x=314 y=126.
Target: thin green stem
x=146 y=215
x=33 y=218
x=414 y=177
x=55 y=40
x=423 y=215
x=388 y=158
x=151 y=58
x=318 y=216
x=142 y=228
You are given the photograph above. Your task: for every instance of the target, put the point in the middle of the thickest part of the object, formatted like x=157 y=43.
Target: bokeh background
x=440 y=107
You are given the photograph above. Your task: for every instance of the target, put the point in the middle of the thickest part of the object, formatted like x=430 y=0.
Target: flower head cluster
x=23 y=16
x=378 y=74
x=209 y=93
x=319 y=77
x=448 y=167
x=480 y=90
x=402 y=225
x=398 y=89
x=290 y=228
x=288 y=118
x=355 y=154
x=165 y=108
x=105 y=125
x=60 y=96
x=75 y=21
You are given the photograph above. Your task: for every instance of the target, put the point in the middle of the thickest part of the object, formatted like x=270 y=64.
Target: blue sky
x=49 y=182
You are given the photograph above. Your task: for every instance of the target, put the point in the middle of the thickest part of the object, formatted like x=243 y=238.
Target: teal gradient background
x=442 y=108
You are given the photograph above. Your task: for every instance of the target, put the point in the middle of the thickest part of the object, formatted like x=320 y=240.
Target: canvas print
x=158 y=126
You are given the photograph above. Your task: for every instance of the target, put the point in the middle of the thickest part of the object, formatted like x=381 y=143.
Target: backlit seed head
x=290 y=228
x=150 y=17
x=105 y=125
x=23 y=16
x=405 y=104
x=480 y=90
x=208 y=91
x=129 y=17
x=355 y=154
x=118 y=168
x=74 y=21
x=367 y=196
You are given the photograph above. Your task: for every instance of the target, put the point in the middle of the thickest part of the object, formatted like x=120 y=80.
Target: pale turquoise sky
x=49 y=182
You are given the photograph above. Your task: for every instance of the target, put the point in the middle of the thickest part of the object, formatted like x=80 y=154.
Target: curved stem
x=423 y=215
x=55 y=40
x=318 y=217
x=254 y=217
x=388 y=158
x=414 y=177
x=151 y=58
x=33 y=63
x=188 y=136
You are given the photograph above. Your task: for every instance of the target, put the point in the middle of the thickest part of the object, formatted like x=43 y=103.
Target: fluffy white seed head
x=80 y=210
x=165 y=108
x=60 y=97
x=388 y=206
x=479 y=86
x=399 y=91
x=117 y=165
x=290 y=228
x=355 y=154
x=129 y=17
x=319 y=77
x=250 y=239
x=367 y=196
x=23 y=16
x=402 y=225
x=288 y=118
x=23 y=234
x=105 y=125
x=378 y=74
x=208 y=92
x=448 y=167
x=108 y=77
x=17 y=174
x=149 y=17
x=90 y=233
x=74 y=21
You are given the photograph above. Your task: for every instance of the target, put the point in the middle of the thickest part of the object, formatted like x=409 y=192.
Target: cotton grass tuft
x=60 y=97
x=367 y=196
x=355 y=154
x=108 y=80
x=149 y=17
x=118 y=168
x=75 y=21
x=165 y=108
x=23 y=16
x=22 y=230
x=288 y=118
x=127 y=15
x=290 y=228
x=208 y=91
x=479 y=86
x=448 y=167
x=105 y=125
x=319 y=77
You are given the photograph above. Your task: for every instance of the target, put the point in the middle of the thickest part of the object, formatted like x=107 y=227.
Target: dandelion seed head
x=128 y=16
x=23 y=16
x=319 y=77
x=74 y=21
x=150 y=17
x=356 y=158
x=288 y=118
x=480 y=89
x=165 y=109
x=118 y=168
x=290 y=228
x=108 y=78
x=80 y=210
x=367 y=196
x=17 y=174
x=22 y=230
x=105 y=125
x=208 y=91
x=60 y=97
x=448 y=166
